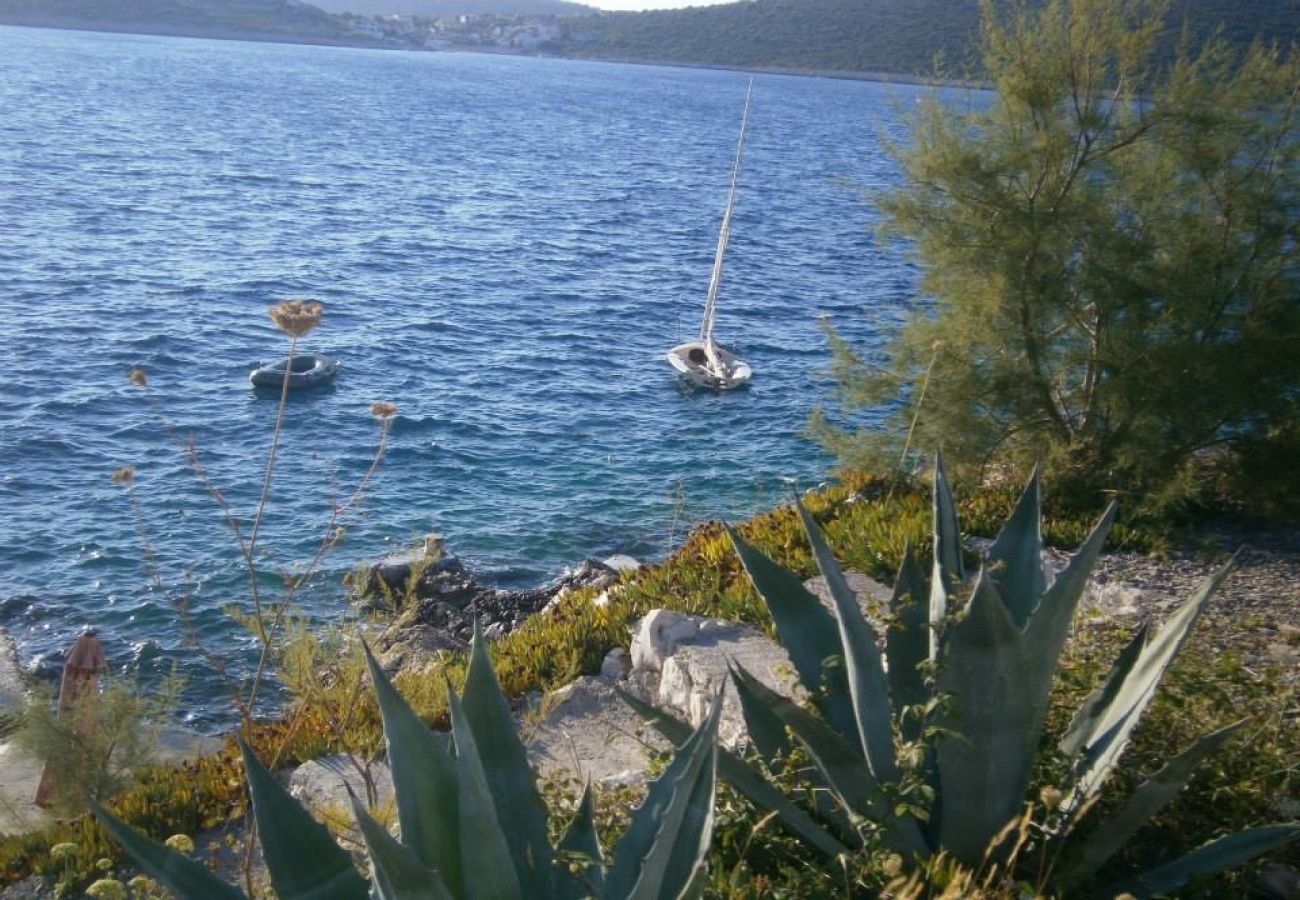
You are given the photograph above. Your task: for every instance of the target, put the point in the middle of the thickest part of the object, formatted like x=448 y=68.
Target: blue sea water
x=505 y=247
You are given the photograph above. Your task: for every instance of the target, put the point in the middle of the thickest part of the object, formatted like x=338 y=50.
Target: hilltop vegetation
x=899 y=36
x=269 y=20
x=438 y=9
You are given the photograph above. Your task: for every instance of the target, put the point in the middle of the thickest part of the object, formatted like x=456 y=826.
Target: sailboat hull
x=691 y=362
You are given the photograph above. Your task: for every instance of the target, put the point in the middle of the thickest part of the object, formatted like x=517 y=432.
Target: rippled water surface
x=505 y=247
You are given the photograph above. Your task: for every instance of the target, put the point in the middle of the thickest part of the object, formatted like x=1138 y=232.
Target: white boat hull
x=692 y=363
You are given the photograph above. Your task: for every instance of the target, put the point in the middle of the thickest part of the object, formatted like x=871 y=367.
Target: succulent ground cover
x=867 y=523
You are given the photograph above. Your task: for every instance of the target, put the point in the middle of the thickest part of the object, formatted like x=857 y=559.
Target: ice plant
x=473 y=824
x=985 y=669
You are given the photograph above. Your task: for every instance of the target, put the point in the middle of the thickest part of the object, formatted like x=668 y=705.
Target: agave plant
x=988 y=666
x=473 y=824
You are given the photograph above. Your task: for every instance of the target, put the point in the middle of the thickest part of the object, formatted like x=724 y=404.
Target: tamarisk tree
x=1110 y=256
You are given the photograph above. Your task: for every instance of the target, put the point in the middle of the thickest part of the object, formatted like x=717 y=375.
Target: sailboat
x=701 y=362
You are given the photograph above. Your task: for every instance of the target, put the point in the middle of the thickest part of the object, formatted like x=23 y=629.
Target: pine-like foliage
x=1112 y=251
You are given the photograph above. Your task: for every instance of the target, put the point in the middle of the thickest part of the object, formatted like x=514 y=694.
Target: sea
x=504 y=247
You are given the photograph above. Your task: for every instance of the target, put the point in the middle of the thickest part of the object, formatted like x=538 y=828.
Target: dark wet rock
x=444 y=601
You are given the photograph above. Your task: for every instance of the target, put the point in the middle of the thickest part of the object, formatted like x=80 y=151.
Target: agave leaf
x=840 y=765
x=181 y=875
x=739 y=775
x=1216 y=856
x=907 y=641
x=907 y=647
x=676 y=863
x=806 y=630
x=1151 y=796
x=301 y=856
x=519 y=807
x=398 y=873
x=1094 y=705
x=868 y=688
x=425 y=782
x=1116 y=722
x=766 y=731
x=947 y=533
x=483 y=845
x=1049 y=626
x=949 y=571
x=646 y=864
x=984 y=770
x=1016 y=557
x=581 y=838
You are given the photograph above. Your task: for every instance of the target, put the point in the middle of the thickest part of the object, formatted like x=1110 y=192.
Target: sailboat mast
x=724 y=233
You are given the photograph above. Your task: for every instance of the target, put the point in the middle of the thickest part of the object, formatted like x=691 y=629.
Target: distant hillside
x=898 y=36
x=445 y=8
x=270 y=20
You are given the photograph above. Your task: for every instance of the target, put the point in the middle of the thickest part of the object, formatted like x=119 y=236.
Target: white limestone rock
x=657 y=634
x=587 y=732
x=621 y=562
x=873 y=596
x=321 y=785
x=616 y=665
x=696 y=670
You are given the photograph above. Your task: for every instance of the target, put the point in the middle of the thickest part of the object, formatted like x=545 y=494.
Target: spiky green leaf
x=948 y=569
x=398 y=873
x=302 y=858
x=676 y=861
x=425 y=782
x=766 y=731
x=1049 y=626
x=581 y=839
x=750 y=784
x=1151 y=796
x=840 y=765
x=907 y=642
x=645 y=864
x=1118 y=719
x=1216 y=856
x=181 y=875
x=807 y=631
x=984 y=768
x=1016 y=556
x=519 y=806
x=868 y=687
x=483 y=846
x=1084 y=723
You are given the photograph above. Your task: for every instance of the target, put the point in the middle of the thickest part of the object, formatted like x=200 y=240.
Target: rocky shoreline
x=584 y=731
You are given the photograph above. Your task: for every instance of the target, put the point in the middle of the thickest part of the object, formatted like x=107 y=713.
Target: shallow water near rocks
x=505 y=248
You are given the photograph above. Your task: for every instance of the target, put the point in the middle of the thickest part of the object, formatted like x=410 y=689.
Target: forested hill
x=898 y=36
x=442 y=8
x=268 y=20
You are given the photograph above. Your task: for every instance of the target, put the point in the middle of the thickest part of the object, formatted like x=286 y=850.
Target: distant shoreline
x=362 y=44
x=216 y=34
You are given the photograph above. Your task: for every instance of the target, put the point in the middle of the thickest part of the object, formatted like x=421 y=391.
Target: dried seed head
x=1051 y=797
x=381 y=410
x=296 y=317
x=137 y=377
x=181 y=843
x=123 y=476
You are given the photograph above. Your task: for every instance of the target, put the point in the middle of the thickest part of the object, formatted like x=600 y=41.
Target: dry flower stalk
x=296 y=317
x=382 y=410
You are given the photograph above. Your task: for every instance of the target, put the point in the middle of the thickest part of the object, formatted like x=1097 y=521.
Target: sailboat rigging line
x=724 y=233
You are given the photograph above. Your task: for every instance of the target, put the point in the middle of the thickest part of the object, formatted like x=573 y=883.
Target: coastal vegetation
x=907 y=38
x=892 y=765
x=267 y=20
x=903 y=37
x=868 y=524
x=1111 y=260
